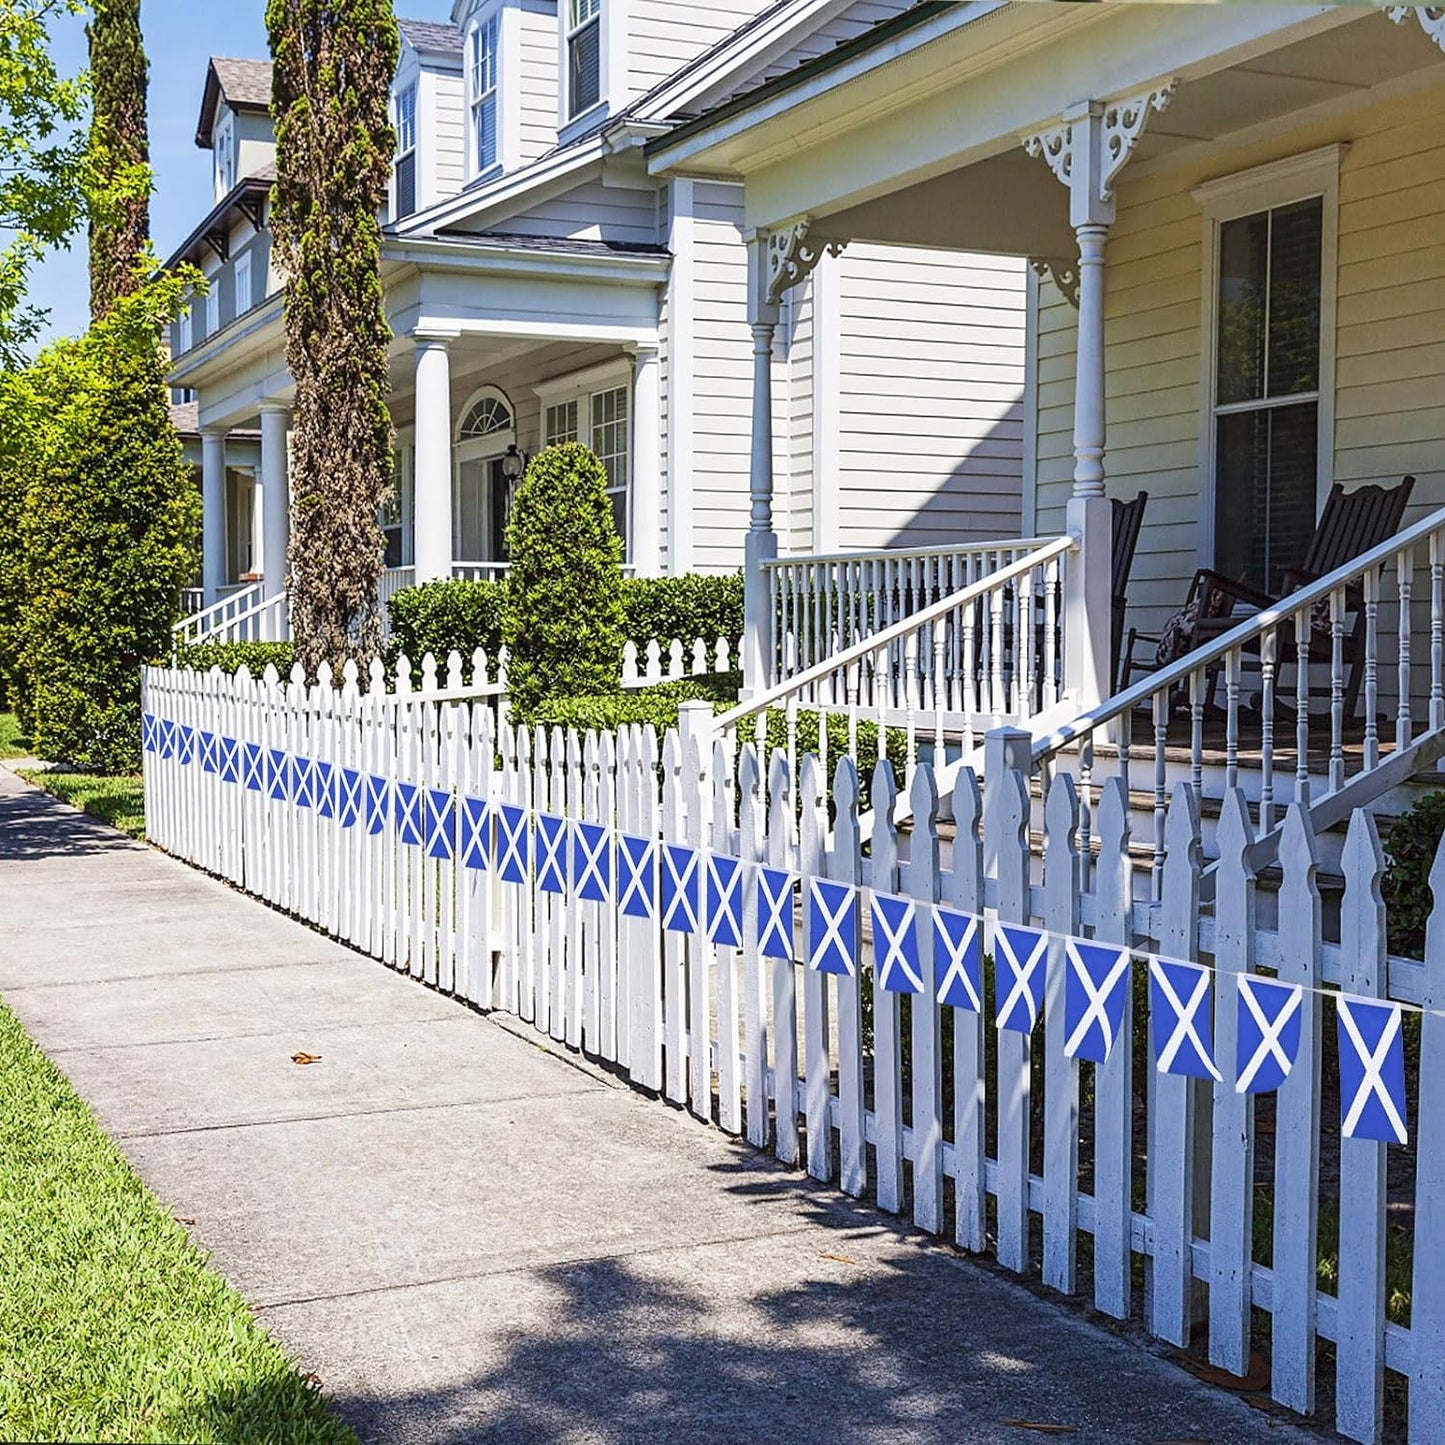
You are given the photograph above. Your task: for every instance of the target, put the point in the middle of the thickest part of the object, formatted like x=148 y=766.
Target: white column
x=432 y=491
x=275 y=498
x=213 y=514
x=761 y=544
x=681 y=335
x=645 y=543
x=1089 y=433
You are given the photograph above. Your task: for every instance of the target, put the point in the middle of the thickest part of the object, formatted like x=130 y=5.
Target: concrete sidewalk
x=468 y=1237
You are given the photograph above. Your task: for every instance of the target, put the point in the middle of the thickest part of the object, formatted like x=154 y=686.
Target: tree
x=107 y=529
x=563 y=622
x=119 y=153
x=334 y=63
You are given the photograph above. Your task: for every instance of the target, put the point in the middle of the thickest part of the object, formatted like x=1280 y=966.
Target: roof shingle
x=431 y=35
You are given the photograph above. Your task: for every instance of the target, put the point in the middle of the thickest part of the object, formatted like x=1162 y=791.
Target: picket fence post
x=927 y=1062
x=887 y=1049
x=752 y=844
x=817 y=1062
x=965 y=892
x=781 y=855
x=845 y=865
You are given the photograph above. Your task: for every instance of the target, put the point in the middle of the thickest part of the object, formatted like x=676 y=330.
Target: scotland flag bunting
x=1096 y=986
x=592 y=863
x=185 y=745
x=833 y=928
x=441 y=825
x=229 y=754
x=895 y=944
x=551 y=853
x=1179 y=1007
x=168 y=738
x=251 y=768
x=1372 y=1070
x=301 y=782
x=724 y=901
x=513 y=844
x=149 y=733
x=1020 y=956
x=1270 y=1016
x=324 y=786
x=958 y=959
x=408 y=808
x=681 y=889
x=210 y=752
x=349 y=797
x=777 y=917
x=637 y=876
x=476 y=815
x=375 y=798
x=278 y=775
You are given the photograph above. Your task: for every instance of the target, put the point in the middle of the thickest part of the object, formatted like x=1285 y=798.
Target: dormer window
x=225 y=144
x=405 y=152
x=483 y=84
x=584 y=55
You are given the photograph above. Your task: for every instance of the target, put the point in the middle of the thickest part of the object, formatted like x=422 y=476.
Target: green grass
x=13 y=743
x=113 y=1327
x=117 y=801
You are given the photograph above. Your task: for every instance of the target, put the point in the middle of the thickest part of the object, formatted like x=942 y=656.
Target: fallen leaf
x=840 y=1258
x=305 y=1058
x=1257 y=1379
x=1041 y=1428
x=181 y=1219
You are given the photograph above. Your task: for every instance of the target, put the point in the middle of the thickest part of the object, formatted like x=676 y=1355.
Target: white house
x=544 y=284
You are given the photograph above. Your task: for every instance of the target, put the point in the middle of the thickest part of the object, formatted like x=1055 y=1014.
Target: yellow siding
x=1390 y=333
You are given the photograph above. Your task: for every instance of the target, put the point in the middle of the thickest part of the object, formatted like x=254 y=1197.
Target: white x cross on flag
x=895 y=944
x=1372 y=1070
x=1094 y=994
x=1019 y=955
x=1269 y=1034
x=958 y=959
x=1187 y=1047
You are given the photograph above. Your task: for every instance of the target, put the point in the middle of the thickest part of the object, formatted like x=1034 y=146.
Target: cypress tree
x=334 y=63
x=119 y=153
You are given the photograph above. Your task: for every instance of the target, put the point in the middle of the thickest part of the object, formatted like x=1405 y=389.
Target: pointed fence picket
x=296 y=793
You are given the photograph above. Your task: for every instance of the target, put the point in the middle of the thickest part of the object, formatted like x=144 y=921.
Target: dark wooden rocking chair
x=1128 y=519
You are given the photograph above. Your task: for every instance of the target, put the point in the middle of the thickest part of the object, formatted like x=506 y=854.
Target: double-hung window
x=213 y=306
x=584 y=55
x=483 y=81
x=244 y=300
x=405 y=177
x=225 y=145
x=601 y=419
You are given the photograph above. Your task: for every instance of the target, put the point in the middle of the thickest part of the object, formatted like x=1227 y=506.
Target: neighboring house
x=543 y=286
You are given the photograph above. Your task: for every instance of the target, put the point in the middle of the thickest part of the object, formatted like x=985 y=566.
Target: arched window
x=489 y=414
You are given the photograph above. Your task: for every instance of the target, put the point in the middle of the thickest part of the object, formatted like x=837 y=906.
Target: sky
x=180 y=36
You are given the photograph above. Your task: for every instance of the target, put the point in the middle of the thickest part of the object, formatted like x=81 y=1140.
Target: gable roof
x=431 y=35
x=244 y=85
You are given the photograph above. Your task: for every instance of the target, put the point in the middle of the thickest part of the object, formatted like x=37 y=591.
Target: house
x=543 y=285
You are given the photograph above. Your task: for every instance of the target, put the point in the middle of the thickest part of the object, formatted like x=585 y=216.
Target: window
x=396 y=510
x=243 y=284
x=483 y=84
x=488 y=417
x=183 y=331
x=213 y=307
x=606 y=427
x=584 y=55
x=561 y=424
x=405 y=152
x=225 y=144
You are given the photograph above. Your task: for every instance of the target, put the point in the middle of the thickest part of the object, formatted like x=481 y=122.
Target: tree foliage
x=107 y=529
x=119 y=153
x=334 y=62
x=563 y=624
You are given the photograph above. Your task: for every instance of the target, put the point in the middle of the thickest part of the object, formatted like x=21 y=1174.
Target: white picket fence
x=642 y=902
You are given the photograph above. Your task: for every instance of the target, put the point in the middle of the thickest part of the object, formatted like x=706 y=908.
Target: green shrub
x=683 y=607
x=562 y=625
x=655 y=707
x=231 y=656
x=1410 y=848
x=108 y=532
x=444 y=617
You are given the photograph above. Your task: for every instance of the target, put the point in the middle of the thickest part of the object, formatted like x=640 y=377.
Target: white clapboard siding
x=665 y=35
x=448 y=140
x=775 y=1050
x=537 y=80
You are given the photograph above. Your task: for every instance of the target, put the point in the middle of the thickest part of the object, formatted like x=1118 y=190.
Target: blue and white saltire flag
x=777 y=918
x=1270 y=1020
x=551 y=853
x=512 y=844
x=681 y=888
x=302 y=784
x=1020 y=957
x=895 y=944
x=375 y=799
x=958 y=959
x=1372 y=1070
x=229 y=754
x=1179 y=1008
x=636 y=876
x=476 y=834
x=724 y=901
x=350 y=796
x=592 y=862
x=149 y=733
x=210 y=752
x=832 y=927
x=441 y=825
x=278 y=775
x=185 y=744
x=409 y=814
x=168 y=739
x=251 y=767
x=324 y=786
x=1096 y=987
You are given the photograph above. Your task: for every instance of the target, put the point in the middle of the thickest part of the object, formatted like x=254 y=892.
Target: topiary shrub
x=230 y=657
x=1410 y=848
x=444 y=617
x=683 y=607
x=562 y=625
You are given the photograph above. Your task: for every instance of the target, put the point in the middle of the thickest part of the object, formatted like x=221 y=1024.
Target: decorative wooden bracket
x=254 y=210
x=220 y=242
x=1431 y=18
x=1064 y=275
x=792 y=258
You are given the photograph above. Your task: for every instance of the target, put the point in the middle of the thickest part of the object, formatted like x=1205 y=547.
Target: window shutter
x=406 y=186
x=586 y=63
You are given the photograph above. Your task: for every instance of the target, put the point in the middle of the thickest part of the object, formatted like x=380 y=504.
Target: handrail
x=277 y=602
x=222 y=605
x=874 y=644
x=903 y=554
x=1248 y=629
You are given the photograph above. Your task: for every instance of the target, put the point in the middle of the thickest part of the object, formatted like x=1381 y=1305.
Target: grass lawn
x=117 y=801
x=111 y=1325
x=13 y=743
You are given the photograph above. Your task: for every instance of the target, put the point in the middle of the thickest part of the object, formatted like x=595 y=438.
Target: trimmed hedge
x=1410 y=848
x=230 y=657
x=683 y=607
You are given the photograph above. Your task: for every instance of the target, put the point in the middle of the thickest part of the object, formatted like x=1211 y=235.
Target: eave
x=248 y=198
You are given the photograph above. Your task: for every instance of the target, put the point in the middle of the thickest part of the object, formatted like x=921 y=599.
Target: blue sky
x=180 y=36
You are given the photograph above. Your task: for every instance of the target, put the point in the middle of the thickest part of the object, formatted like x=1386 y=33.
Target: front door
x=481 y=514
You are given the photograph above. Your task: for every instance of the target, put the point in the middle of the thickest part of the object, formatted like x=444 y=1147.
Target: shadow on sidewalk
x=35 y=826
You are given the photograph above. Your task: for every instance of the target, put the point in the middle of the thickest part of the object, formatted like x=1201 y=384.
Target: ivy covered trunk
x=334 y=62
x=119 y=153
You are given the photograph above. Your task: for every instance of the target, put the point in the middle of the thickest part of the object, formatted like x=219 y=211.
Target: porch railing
x=1240 y=707
x=212 y=624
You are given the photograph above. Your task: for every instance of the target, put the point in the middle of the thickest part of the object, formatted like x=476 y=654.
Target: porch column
x=645 y=541
x=432 y=488
x=213 y=514
x=275 y=498
x=761 y=544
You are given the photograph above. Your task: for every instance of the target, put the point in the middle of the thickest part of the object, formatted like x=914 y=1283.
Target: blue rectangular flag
x=592 y=862
x=513 y=844
x=376 y=796
x=1020 y=959
x=476 y=834
x=278 y=775
x=1096 y=988
x=1270 y=1020
x=252 y=769
x=777 y=916
x=441 y=825
x=551 y=853
x=185 y=745
x=350 y=797
x=408 y=814
x=168 y=739
x=210 y=752
x=637 y=876
x=681 y=888
x=1181 y=1017
x=896 y=955
x=149 y=733
x=958 y=959
x=324 y=786
x=832 y=928
x=229 y=753
x=1372 y=1070
x=724 y=901
x=301 y=782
